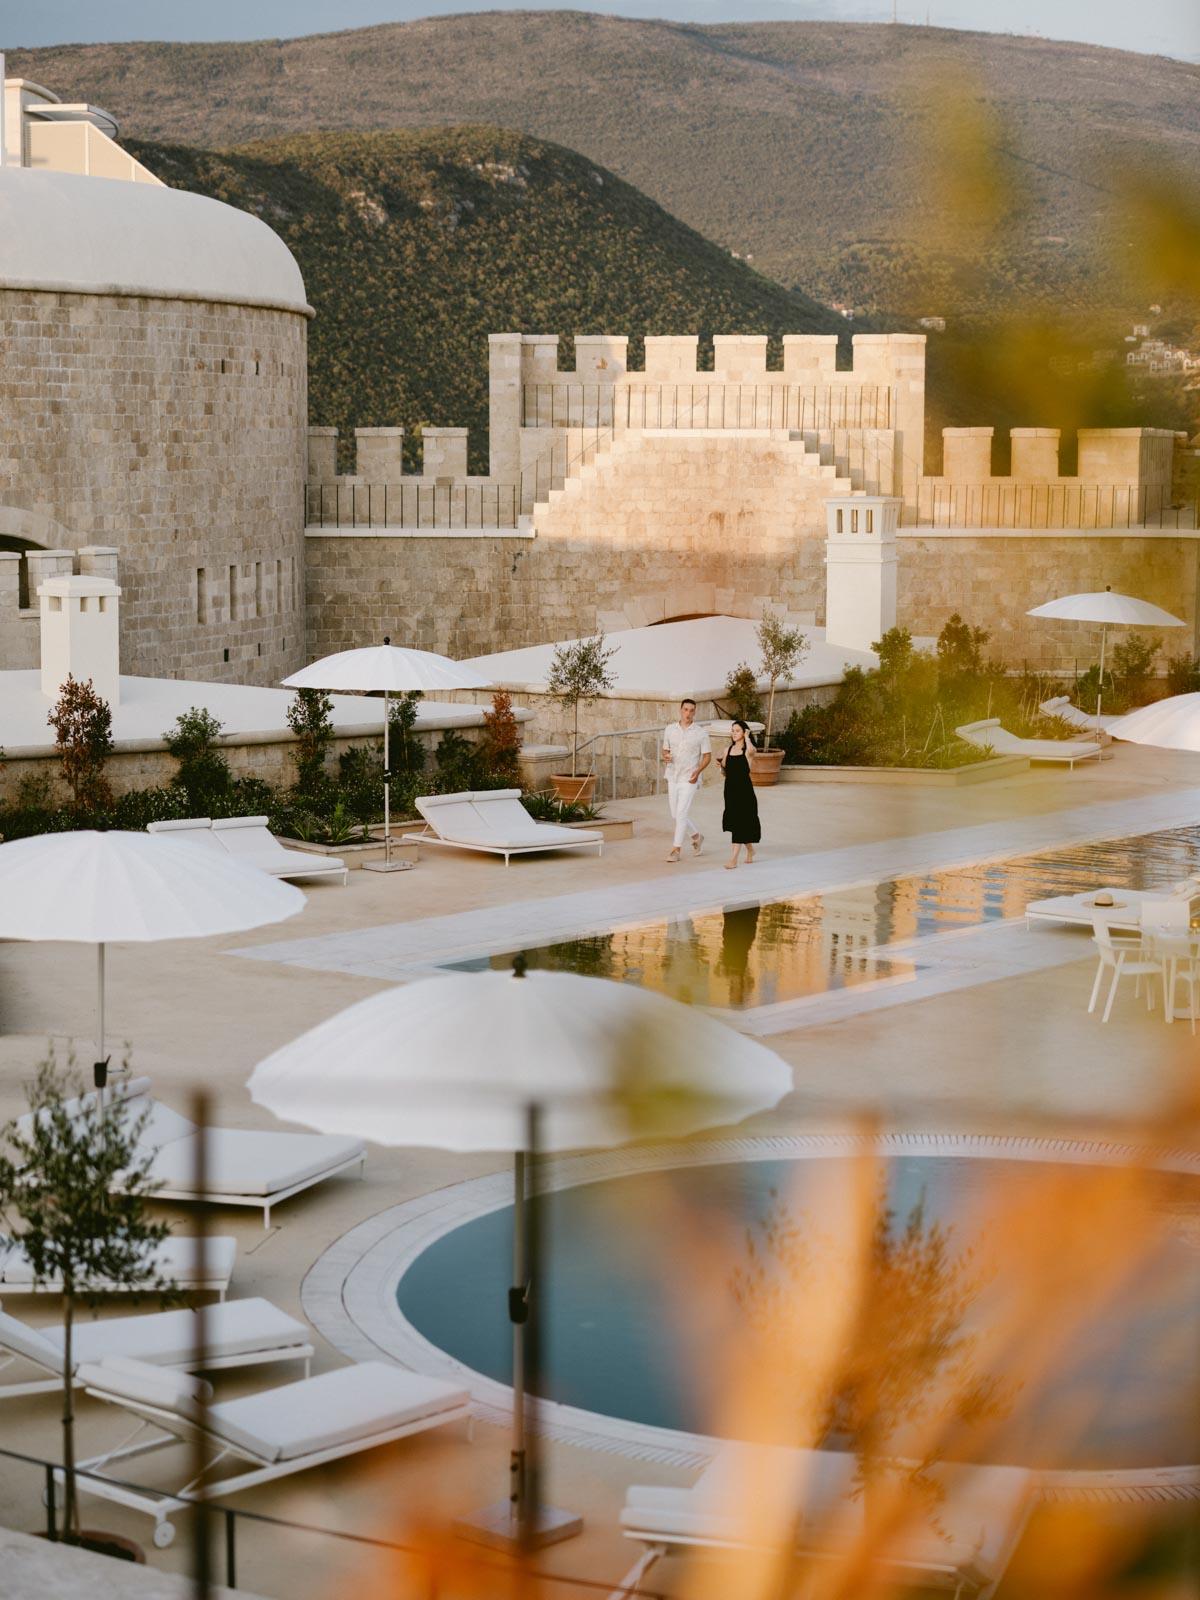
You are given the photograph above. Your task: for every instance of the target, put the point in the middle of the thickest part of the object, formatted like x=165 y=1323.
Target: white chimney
x=80 y=628
x=860 y=569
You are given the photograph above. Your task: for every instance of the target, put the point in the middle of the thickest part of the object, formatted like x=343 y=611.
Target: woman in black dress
x=740 y=820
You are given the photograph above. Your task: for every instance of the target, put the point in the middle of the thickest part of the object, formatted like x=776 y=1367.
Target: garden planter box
x=610 y=827
x=941 y=777
x=355 y=855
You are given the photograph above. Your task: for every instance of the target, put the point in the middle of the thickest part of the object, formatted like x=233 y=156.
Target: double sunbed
x=963 y=1543
x=495 y=822
x=237 y=1333
x=243 y=1167
x=270 y=1434
x=250 y=841
x=174 y=1261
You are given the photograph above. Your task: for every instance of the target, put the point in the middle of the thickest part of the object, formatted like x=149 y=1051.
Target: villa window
x=201 y=594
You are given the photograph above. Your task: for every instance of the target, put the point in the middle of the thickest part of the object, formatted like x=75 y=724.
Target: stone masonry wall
x=993 y=579
x=660 y=526
x=175 y=432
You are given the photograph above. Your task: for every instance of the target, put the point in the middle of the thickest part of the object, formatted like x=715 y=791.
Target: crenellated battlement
x=1134 y=456
x=737 y=357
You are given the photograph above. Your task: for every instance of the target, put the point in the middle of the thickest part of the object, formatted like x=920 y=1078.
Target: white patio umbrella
x=1110 y=610
x=393 y=670
x=519 y=1062
x=117 y=888
x=1172 y=724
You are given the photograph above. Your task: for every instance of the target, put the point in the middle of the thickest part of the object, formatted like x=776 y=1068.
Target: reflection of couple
x=686 y=752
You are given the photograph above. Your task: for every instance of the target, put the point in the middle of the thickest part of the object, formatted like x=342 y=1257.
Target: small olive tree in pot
x=57 y=1172
x=783 y=649
x=578 y=672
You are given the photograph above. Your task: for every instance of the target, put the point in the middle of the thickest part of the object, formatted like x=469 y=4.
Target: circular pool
x=424 y=1284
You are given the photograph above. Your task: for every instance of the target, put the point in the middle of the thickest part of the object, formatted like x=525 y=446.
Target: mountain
x=415 y=246
x=910 y=170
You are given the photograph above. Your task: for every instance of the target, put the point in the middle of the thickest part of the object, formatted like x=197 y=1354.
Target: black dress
x=740 y=819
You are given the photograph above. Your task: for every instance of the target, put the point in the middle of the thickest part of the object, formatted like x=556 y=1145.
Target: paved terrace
x=996 y=1041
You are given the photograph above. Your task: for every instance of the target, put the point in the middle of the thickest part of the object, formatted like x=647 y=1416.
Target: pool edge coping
x=349 y=1293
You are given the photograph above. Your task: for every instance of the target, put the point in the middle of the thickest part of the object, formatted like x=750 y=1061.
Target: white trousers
x=681 y=793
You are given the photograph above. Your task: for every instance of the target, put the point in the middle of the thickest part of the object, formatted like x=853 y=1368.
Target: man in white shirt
x=686 y=752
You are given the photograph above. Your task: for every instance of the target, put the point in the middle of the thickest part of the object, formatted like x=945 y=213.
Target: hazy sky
x=1169 y=27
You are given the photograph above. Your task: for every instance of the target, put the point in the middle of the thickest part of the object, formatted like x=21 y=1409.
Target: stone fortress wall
x=636 y=497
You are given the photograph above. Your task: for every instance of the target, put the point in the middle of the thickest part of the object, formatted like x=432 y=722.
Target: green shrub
x=204 y=774
x=1183 y=675
x=544 y=806
x=457 y=765
x=405 y=750
x=309 y=716
x=136 y=810
x=741 y=690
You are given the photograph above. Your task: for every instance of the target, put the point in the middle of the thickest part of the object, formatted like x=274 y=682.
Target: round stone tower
x=153 y=400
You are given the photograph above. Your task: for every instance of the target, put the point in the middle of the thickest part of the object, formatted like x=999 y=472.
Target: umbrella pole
x=387 y=780
x=518 y=1311
x=100 y=1065
x=1100 y=685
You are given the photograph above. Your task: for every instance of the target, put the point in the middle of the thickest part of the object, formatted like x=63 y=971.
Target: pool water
x=786 y=950
x=622 y=1338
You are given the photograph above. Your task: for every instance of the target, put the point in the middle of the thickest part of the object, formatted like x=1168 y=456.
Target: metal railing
x=231 y=1518
x=412 y=505
x=706 y=404
x=997 y=504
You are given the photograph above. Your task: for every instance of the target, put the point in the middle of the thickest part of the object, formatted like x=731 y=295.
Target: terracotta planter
x=574 y=791
x=764 y=768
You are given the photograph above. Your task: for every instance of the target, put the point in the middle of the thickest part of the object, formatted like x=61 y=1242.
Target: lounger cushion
x=119 y=1089
x=31 y=1343
x=174 y=1258
x=496 y=818
x=976 y=1524
x=128 y=1379
x=250 y=839
x=337 y=1408
x=163 y=1125
x=168 y=1338
x=244 y=1161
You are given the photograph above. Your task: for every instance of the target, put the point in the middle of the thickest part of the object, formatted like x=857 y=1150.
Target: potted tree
x=56 y=1178
x=782 y=650
x=578 y=672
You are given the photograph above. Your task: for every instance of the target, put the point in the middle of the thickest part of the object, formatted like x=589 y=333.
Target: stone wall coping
x=99 y=550
x=317 y=532
x=126 y=291
x=1047 y=533
x=441 y=433
x=366 y=433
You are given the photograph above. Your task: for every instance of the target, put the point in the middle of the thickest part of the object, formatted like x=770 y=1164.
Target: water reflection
x=788 y=949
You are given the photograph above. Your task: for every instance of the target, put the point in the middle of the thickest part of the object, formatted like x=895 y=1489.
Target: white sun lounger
x=1130 y=908
x=191 y=830
x=238 y=1333
x=495 y=822
x=245 y=1167
x=271 y=1434
x=1085 y=721
x=1063 y=752
x=249 y=840
x=173 y=1261
x=978 y=1523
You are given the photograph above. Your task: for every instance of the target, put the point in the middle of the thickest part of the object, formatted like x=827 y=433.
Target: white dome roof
x=86 y=235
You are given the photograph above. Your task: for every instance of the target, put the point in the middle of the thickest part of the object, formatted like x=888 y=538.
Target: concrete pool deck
x=1011 y=1052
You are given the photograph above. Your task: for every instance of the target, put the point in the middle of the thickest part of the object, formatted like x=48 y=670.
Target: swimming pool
x=788 y=949
x=623 y=1342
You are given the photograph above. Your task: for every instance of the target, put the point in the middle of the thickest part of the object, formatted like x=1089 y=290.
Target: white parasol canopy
x=103 y=888
x=1109 y=610
x=499 y=1061
x=456 y=1061
x=389 y=669
x=1172 y=724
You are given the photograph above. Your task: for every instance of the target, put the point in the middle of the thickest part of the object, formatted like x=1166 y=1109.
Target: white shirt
x=688 y=747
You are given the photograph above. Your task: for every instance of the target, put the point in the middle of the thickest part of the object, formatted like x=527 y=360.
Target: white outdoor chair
x=989 y=735
x=1085 y=721
x=249 y=840
x=1123 y=956
x=273 y=1433
x=495 y=822
x=978 y=1522
x=238 y=1333
x=173 y=1261
x=244 y=1167
x=1178 y=957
